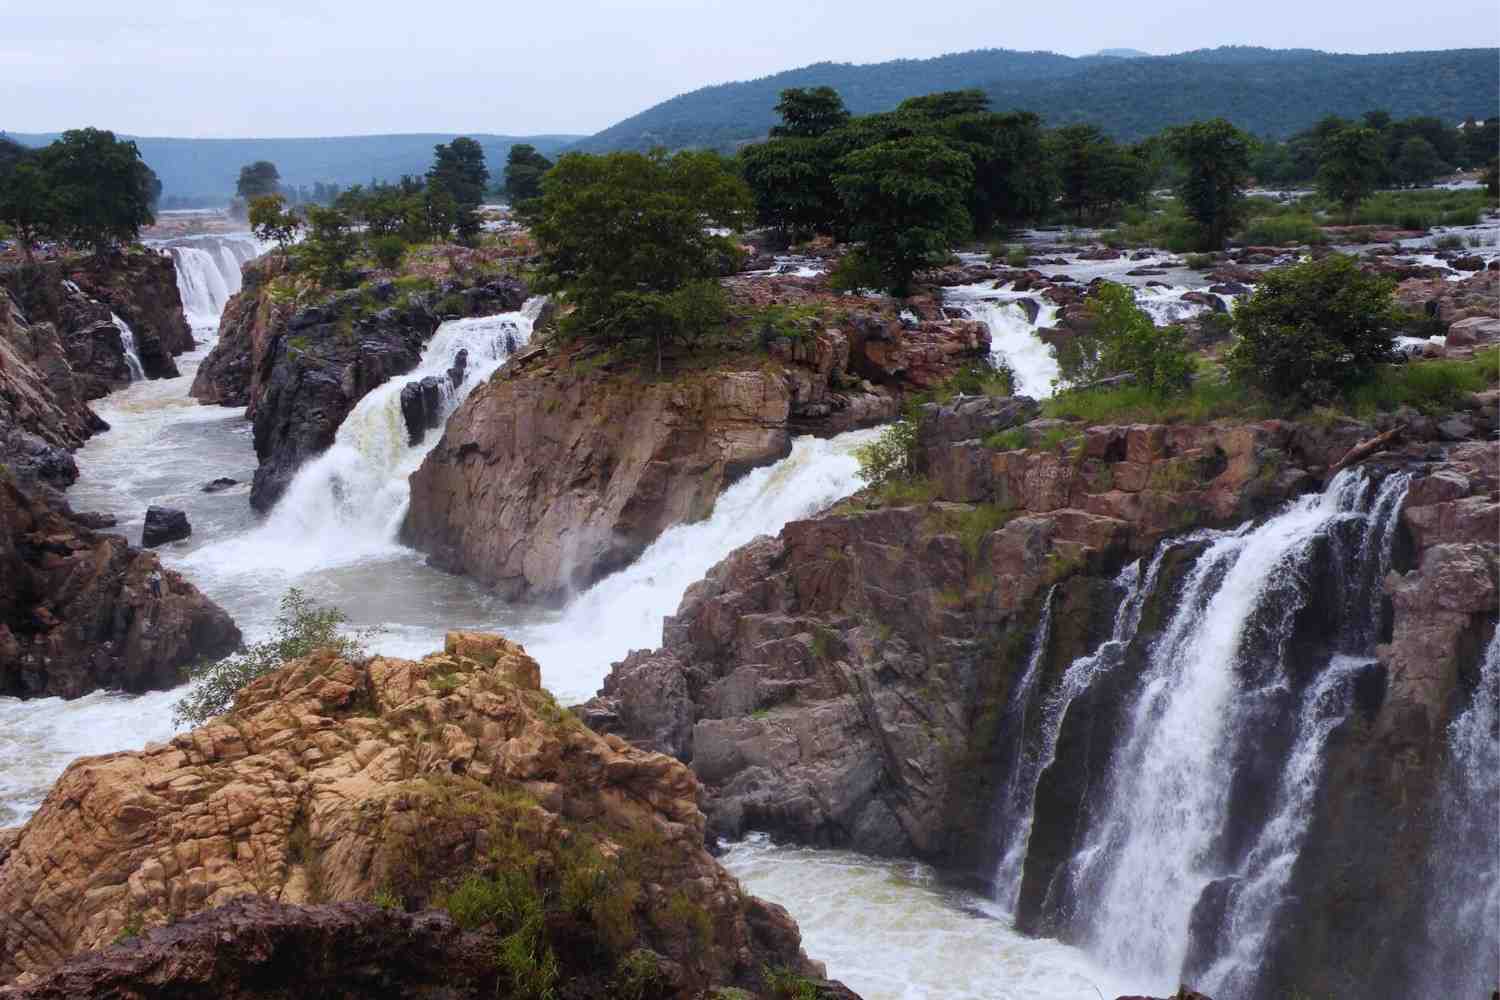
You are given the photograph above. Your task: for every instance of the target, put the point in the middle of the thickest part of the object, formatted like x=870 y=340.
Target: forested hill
x=196 y=168
x=1267 y=91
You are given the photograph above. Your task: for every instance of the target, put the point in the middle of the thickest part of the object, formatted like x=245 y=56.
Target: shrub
x=1275 y=230
x=302 y=625
x=1314 y=330
x=856 y=272
x=1124 y=340
x=388 y=250
x=1016 y=256
x=891 y=456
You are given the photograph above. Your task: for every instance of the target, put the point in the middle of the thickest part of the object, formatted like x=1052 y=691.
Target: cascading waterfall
x=1013 y=333
x=1463 y=947
x=127 y=341
x=348 y=503
x=208 y=273
x=1155 y=839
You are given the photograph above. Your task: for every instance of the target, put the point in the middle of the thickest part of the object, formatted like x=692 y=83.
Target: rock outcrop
x=453 y=781
x=81 y=610
x=561 y=470
x=141 y=286
x=163 y=525
x=299 y=370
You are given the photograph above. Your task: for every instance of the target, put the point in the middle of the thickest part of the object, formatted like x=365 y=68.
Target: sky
x=339 y=67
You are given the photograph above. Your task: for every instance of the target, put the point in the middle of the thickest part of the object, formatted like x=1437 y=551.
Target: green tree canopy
x=271 y=220
x=524 y=168
x=257 y=180
x=26 y=203
x=906 y=202
x=809 y=112
x=1095 y=174
x=1215 y=159
x=101 y=191
x=1351 y=167
x=627 y=238
x=1313 y=330
x=792 y=182
x=1417 y=162
x=458 y=169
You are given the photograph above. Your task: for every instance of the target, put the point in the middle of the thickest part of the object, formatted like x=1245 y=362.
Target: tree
x=905 y=200
x=458 y=168
x=1095 y=174
x=26 y=203
x=1013 y=180
x=101 y=190
x=947 y=104
x=791 y=179
x=271 y=220
x=1124 y=340
x=257 y=180
x=1351 y=167
x=1215 y=158
x=809 y=112
x=627 y=238
x=329 y=246
x=1313 y=330
x=524 y=168
x=1417 y=163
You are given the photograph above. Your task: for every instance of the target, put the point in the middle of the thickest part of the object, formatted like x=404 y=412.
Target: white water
x=1013 y=336
x=208 y=273
x=127 y=341
x=891 y=931
x=347 y=504
x=1464 y=917
x=1144 y=866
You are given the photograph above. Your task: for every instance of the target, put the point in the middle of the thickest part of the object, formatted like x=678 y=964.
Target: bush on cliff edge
x=302 y=626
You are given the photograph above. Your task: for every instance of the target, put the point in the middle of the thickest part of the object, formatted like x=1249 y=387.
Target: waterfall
x=1165 y=842
x=348 y=503
x=127 y=341
x=1463 y=955
x=624 y=611
x=208 y=273
x=1013 y=333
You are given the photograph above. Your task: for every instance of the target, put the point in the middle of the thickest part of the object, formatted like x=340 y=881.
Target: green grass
x=1162 y=225
x=1010 y=439
x=1207 y=400
x=1428 y=386
x=1420 y=209
x=1274 y=230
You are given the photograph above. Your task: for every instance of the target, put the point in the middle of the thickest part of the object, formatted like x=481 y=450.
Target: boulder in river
x=219 y=485
x=421 y=407
x=163 y=525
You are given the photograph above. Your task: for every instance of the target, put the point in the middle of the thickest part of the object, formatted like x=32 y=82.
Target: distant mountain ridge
x=198 y=168
x=1267 y=91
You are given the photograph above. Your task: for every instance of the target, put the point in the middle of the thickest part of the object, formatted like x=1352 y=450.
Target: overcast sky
x=337 y=67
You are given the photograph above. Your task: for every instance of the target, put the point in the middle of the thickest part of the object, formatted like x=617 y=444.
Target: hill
x=1268 y=91
x=1123 y=54
x=200 y=168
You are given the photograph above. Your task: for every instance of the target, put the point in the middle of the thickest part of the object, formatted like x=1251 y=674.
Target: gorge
x=1121 y=686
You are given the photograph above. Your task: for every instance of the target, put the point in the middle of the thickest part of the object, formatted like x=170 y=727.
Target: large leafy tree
x=524 y=168
x=26 y=203
x=1095 y=174
x=257 y=180
x=906 y=202
x=1313 y=330
x=792 y=182
x=1351 y=167
x=809 y=112
x=628 y=239
x=1417 y=162
x=101 y=190
x=1215 y=160
x=458 y=169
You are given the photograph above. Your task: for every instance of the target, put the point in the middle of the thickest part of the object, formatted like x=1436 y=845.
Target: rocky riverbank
x=451 y=783
x=80 y=609
x=571 y=460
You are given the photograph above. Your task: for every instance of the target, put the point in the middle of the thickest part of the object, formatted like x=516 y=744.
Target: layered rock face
x=299 y=371
x=140 y=286
x=555 y=474
x=441 y=781
x=79 y=610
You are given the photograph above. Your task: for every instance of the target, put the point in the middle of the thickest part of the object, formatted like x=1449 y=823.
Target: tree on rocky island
x=1417 y=162
x=101 y=189
x=524 y=169
x=905 y=200
x=627 y=239
x=1351 y=167
x=329 y=246
x=1313 y=330
x=257 y=180
x=272 y=221
x=1215 y=158
x=1123 y=340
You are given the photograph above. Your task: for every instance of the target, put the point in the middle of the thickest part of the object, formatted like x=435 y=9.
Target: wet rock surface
x=163 y=525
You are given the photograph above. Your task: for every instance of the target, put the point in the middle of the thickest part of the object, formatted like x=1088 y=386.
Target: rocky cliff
x=853 y=681
x=300 y=368
x=77 y=296
x=569 y=462
x=567 y=860
x=79 y=610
